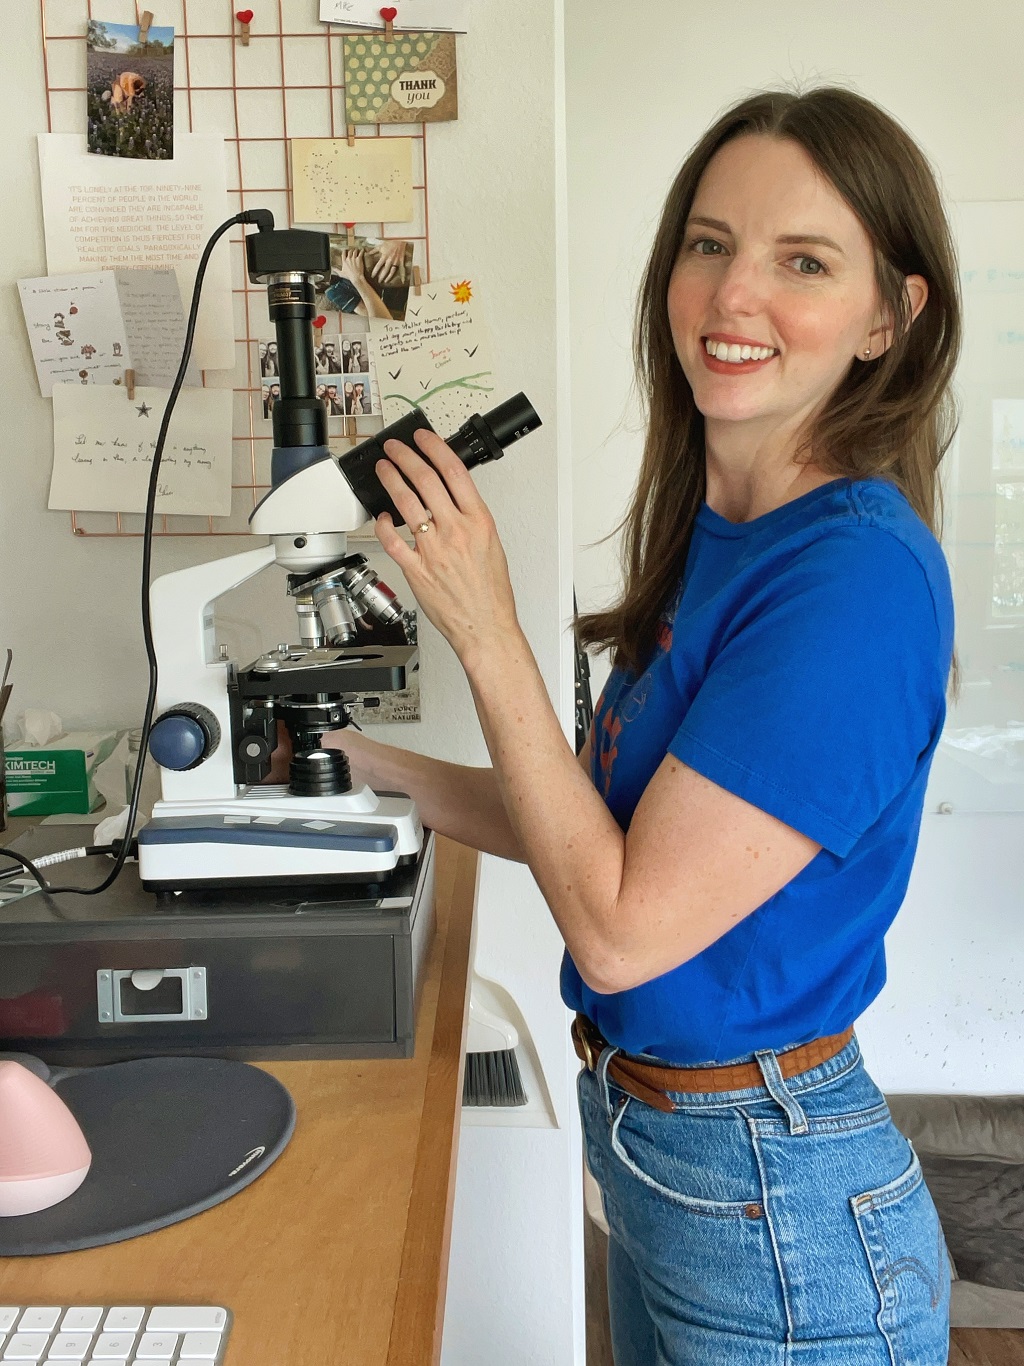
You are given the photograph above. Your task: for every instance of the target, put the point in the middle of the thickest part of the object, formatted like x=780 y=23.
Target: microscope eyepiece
x=512 y=420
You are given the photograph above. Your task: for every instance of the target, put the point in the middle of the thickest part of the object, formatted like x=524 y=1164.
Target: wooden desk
x=339 y=1253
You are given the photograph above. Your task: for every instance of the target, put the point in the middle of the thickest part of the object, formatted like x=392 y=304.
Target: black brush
x=492 y=1077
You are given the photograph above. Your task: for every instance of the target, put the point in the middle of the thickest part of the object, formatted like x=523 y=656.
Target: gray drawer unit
x=253 y=974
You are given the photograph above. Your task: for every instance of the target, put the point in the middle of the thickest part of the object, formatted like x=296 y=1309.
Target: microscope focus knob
x=184 y=736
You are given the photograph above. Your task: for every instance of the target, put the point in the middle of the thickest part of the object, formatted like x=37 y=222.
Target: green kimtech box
x=57 y=777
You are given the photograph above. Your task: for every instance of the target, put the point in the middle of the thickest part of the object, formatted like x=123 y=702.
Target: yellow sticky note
x=370 y=181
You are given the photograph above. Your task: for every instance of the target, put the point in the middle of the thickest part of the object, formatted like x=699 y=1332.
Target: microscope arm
x=190 y=672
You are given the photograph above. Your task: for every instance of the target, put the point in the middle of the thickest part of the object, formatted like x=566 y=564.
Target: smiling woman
x=784 y=638
x=725 y=859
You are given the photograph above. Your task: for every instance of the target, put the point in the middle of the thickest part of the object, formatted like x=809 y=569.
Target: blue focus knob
x=183 y=737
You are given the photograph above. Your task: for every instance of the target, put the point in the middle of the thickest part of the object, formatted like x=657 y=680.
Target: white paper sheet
x=103 y=450
x=440 y=16
x=106 y=212
x=371 y=181
x=90 y=329
x=438 y=359
x=75 y=329
x=154 y=320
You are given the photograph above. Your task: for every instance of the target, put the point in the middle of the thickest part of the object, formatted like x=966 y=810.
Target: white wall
x=638 y=97
x=69 y=608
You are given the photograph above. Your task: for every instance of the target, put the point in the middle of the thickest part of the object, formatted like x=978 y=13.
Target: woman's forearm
x=455 y=800
x=372 y=302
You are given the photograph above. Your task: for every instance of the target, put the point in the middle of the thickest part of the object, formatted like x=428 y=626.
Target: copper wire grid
x=268 y=26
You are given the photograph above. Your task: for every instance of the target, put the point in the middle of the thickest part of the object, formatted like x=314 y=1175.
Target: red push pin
x=244 y=17
x=389 y=14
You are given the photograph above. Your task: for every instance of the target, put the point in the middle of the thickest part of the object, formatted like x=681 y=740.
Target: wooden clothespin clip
x=389 y=14
x=350 y=132
x=129 y=380
x=350 y=431
x=350 y=237
x=244 y=17
x=145 y=20
x=417 y=280
x=319 y=322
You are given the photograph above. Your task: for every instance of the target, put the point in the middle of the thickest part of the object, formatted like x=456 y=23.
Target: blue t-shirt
x=802 y=666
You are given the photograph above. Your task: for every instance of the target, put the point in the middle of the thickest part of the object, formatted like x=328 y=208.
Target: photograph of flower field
x=130 y=91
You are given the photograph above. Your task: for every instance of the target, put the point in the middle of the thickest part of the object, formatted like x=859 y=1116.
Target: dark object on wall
x=584 y=697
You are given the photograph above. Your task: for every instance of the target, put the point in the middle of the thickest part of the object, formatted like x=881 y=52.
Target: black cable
x=25 y=863
x=265 y=221
x=33 y=865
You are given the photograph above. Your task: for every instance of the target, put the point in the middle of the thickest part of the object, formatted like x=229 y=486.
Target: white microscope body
x=210 y=828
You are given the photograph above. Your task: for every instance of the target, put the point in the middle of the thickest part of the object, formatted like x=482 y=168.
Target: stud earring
x=867 y=353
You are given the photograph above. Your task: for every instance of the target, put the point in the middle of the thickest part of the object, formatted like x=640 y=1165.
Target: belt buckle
x=589 y=1056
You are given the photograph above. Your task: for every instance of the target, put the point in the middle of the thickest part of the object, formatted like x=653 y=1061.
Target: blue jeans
x=784 y=1225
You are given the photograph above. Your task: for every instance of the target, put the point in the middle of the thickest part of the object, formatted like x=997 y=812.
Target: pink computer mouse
x=44 y=1157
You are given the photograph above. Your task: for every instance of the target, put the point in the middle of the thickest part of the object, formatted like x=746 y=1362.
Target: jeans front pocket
x=687 y=1206
x=675 y=1171
x=902 y=1237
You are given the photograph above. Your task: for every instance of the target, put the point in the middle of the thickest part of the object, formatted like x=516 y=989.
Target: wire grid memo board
x=288 y=83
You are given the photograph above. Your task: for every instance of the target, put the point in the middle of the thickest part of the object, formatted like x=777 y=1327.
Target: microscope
x=219 y=823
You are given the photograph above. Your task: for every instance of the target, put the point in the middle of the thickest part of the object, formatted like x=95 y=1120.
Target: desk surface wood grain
x=339 y=1252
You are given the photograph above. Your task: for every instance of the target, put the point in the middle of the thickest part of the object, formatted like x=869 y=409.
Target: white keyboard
x=157 y=1335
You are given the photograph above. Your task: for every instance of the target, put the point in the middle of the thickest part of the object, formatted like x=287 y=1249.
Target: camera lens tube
x=481 y=439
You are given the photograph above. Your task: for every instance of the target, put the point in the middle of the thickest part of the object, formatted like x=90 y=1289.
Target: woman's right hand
x=353 y=267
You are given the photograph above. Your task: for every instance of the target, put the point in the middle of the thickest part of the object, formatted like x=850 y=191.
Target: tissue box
x=58 y=776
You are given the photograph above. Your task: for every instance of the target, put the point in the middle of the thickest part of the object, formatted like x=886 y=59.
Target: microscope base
x=265 y=838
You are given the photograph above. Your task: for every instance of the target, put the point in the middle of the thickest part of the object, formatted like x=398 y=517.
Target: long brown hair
x=892 y=418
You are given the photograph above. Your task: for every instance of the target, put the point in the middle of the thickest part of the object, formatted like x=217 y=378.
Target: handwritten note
x=113 y=212
x=368 y=182
x=90 y=329
x=75 y=329
x=438 y=359
x=103 y=447
x=446 y=16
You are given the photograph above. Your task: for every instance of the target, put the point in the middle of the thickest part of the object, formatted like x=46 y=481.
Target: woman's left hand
x=457 y=567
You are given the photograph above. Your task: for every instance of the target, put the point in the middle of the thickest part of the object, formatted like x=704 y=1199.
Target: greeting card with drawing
x=438 y=359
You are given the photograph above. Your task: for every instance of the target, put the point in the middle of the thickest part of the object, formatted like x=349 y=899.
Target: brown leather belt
x=651 y=1082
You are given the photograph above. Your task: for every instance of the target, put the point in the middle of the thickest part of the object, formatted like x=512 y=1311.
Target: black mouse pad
x=170 y=1137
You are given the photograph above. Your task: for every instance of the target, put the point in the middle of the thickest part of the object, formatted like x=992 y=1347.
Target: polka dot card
x=412 y=79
